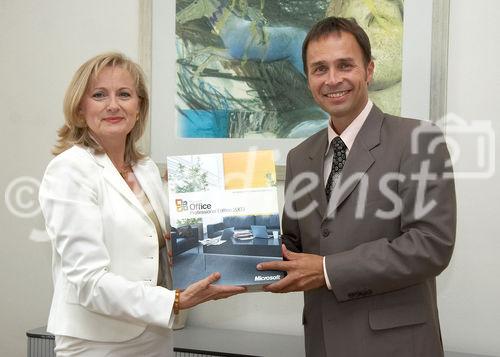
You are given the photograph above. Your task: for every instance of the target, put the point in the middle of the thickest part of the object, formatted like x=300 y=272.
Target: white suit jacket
x=105 y=248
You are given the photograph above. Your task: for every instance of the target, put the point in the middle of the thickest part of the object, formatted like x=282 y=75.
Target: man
x=369 y=218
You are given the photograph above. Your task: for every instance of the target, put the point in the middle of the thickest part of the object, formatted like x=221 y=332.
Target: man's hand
x=304 y=272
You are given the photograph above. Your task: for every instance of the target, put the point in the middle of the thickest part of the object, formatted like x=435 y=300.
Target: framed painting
x=227 y=75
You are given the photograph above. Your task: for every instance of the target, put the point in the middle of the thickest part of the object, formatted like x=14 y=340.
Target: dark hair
x=334 y=24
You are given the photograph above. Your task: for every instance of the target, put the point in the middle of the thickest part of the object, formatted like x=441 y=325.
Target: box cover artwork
x=224 y=217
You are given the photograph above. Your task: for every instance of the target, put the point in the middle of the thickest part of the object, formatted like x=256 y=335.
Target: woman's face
x=110 y=105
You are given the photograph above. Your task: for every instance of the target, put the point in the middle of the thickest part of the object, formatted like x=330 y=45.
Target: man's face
x=337 y=75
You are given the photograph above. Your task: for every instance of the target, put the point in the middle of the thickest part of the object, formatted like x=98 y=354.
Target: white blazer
x=105 y=248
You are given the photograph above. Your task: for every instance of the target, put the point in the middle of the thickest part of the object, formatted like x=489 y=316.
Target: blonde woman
x=105 y=212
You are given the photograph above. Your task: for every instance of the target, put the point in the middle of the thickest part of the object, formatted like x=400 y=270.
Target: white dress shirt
x=348 y=136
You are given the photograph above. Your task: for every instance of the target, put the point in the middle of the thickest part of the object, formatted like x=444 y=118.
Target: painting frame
x=157 y=56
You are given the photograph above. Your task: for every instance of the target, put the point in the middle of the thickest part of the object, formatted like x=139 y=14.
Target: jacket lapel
x=143 y=175
x=358 y=161
x=113 y=177
x=316 y=166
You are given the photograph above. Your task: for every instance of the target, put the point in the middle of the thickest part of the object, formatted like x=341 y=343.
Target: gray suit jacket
x=382 y=269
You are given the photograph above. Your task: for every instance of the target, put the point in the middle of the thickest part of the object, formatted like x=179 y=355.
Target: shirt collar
x=350 y=133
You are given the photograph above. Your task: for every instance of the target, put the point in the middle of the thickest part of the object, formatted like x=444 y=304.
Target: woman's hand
x=203 y=290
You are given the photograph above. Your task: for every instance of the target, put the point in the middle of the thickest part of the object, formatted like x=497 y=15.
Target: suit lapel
x=358 y=161
x=143 y=175
x=113 y=177
x=316 y=166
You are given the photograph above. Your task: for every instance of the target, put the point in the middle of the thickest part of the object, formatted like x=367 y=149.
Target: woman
x=105 y=211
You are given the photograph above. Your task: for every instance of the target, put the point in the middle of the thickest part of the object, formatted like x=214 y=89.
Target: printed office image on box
x=224 y=217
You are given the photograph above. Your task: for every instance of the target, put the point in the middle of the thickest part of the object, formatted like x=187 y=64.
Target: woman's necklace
x=125 y=170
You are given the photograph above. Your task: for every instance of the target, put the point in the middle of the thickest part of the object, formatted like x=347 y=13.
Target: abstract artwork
x=239 y=64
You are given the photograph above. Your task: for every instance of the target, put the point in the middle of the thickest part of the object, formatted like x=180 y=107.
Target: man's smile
x=337 y=94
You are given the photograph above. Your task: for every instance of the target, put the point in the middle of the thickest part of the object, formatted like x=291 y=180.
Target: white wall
x=470 y=289
x=41 y=45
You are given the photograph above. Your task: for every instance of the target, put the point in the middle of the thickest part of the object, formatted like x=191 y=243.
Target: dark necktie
x=339 y=157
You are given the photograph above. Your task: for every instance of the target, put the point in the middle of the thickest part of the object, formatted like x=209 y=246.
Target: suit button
x=325 y=232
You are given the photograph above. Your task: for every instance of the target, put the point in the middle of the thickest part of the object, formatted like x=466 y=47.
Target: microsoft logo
x=267 y=278
x=181 y=205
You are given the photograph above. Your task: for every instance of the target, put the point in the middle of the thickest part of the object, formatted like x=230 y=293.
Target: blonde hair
x=75 y=130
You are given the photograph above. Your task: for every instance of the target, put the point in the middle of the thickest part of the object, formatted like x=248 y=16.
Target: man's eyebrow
x=346 y=59
x=317 y=63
